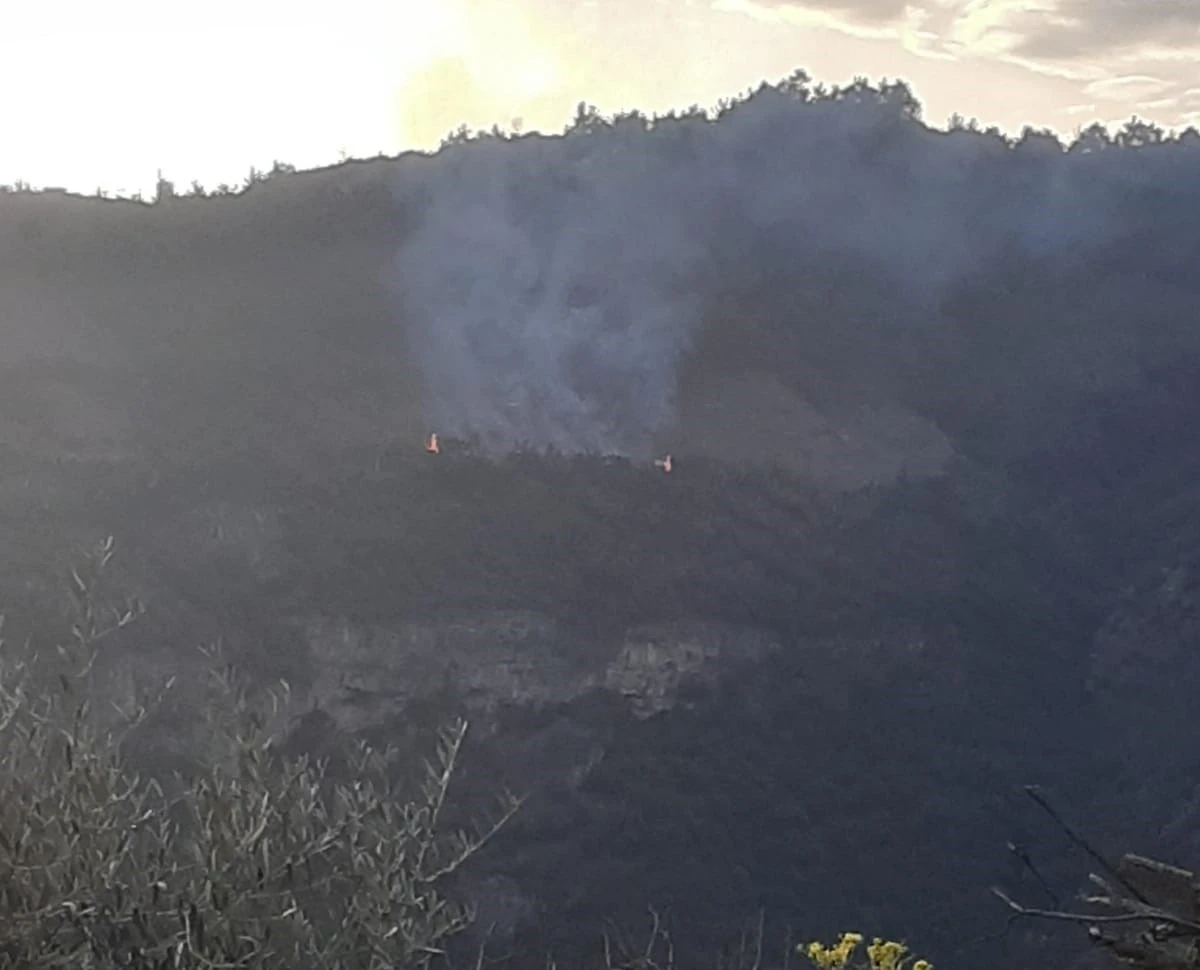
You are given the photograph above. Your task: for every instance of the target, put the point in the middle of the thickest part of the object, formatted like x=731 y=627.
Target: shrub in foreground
x=254 y=860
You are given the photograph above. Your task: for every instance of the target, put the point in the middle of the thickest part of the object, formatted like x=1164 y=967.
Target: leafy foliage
x=254 y=860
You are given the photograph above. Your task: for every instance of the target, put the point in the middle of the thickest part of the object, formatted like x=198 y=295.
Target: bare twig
x=1035 y=792
x=1149 y=914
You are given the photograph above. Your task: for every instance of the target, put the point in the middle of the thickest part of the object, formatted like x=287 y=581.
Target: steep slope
x=929 y=400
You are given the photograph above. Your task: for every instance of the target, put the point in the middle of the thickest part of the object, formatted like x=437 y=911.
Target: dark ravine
x=852 y=756
x=927 y=540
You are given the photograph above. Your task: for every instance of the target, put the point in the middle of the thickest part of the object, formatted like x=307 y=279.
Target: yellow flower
x=833 y=957
x=881 y=954
x=820 y=956
x=885 y=954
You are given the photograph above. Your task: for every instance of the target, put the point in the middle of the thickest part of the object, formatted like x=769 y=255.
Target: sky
x=103 y=96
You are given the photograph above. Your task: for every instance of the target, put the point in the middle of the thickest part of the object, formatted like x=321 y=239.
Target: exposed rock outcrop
x=364 y=675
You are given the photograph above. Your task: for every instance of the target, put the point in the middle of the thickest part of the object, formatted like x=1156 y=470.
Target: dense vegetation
x=248 y=857
x=172 y=371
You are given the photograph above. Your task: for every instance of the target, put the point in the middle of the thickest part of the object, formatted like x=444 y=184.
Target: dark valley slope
x=929 y=534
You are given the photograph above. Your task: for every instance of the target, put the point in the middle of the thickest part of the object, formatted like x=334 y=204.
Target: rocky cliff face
x=365 y=676
x=557 y=717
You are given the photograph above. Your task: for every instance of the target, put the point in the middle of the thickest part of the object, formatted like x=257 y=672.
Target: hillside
x=929 y=397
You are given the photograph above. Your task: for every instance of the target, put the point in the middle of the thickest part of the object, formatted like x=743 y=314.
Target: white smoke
x=551 y=286
x=552 y=300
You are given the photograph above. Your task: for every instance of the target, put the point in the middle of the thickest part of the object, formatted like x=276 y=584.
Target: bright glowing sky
x=104 y=94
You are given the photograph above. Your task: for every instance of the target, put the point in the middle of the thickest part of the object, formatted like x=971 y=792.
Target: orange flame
x=431 y=444
x=663 y=463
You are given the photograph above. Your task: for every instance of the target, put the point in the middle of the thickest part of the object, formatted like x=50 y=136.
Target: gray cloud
x=1079 y=29
x=1072 y=29
x=1123 y=56
x=876 y=13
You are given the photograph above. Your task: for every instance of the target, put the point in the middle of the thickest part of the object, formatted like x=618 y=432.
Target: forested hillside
x=928 y=534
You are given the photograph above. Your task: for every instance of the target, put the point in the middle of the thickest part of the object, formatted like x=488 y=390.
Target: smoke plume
x=553 y=287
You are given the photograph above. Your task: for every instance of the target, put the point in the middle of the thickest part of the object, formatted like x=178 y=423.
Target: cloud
x=873 y=13
x=926 y=30
x=1088 y=29
x=1129 y=53
x=1129 y=87
x=846 y=16
x=1046 y=35
x=1156 y=104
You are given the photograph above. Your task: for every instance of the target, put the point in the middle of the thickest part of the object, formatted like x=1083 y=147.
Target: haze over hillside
x=560 y=289
x=567 y=291
x=931 y=398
